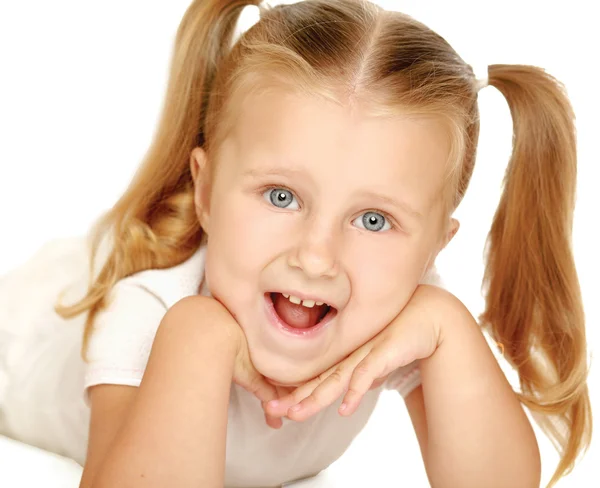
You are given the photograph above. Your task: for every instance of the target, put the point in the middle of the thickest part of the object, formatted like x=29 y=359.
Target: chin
x=285 y=376
x=278 y=377
x=279 y=383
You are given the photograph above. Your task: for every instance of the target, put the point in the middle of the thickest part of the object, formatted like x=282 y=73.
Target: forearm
x=175 y=433
x=478 y=433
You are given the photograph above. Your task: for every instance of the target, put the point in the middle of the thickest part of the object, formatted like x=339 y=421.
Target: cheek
x=244 y=237
x=253 y=232
x=388 y=269
x=235 y=226
x=383 y=283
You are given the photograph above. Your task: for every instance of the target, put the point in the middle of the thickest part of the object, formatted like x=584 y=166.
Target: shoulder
x=123 y=332
x=136 y=304
x=169 y=285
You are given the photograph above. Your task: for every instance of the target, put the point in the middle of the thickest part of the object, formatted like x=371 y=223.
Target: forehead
x=341 y=144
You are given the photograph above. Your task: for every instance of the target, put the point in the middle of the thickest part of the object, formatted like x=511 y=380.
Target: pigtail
x=154 y=224
x=533 y=299
x=353 y=50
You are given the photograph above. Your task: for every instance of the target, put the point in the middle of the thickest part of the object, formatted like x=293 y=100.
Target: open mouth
x=300 y=315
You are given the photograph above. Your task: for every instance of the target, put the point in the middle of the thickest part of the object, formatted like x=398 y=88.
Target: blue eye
x=372 y=221
x=281 y=198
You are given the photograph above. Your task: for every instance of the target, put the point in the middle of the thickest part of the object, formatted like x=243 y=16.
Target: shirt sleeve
x=404 y=379
x=122 y=337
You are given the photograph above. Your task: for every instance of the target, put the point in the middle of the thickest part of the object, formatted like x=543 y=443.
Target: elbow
x=519 y=458
x=526 y=470
x=520 y=468
x=534 y=469
x=529 y=470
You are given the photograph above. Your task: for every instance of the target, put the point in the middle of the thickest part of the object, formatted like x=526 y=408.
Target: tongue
x=294 y=315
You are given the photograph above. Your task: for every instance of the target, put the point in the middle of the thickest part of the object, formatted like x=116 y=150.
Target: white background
x=81 y=86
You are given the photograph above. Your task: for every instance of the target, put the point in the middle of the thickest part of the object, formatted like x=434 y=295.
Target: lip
x=290 y=331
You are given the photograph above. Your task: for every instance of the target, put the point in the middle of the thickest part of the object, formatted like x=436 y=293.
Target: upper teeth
x=305 y=303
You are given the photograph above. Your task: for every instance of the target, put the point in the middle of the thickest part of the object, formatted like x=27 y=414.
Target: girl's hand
x=413 y=334
x=244 y=372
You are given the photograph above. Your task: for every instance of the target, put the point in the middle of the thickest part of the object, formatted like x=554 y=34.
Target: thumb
x=254 y=382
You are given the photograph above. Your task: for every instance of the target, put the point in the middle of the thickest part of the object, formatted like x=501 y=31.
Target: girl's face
x=317 y=201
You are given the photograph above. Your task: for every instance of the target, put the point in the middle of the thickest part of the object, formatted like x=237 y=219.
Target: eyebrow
x=255 y=173
x=291 y=172
x=403 y=206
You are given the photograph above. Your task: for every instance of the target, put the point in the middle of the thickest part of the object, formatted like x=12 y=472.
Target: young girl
x=274 y=256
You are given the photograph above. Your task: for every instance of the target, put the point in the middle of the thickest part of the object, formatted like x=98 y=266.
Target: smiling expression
x=317 y=200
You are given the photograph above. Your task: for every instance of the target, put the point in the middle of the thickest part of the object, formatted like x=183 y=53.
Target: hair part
x=353 y=52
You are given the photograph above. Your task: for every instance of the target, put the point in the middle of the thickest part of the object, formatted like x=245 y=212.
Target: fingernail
x=274 y=403
x=343 y=407
x=295 y=408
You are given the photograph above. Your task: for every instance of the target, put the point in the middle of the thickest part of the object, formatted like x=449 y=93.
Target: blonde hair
x=350 y=51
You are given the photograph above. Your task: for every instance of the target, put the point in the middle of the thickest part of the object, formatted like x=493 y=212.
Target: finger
x=273 y=422
x=378 y=382
x=323 y=395
x=364 y=375
x=327 y=389
x=280 y=406
x=283 y=391
x=256 y=384
x=264 y=391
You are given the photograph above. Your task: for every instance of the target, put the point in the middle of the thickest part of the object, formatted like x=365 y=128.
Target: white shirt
x=119 y=347
x=119 y=350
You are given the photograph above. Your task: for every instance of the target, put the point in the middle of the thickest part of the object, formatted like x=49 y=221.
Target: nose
x=316 y=253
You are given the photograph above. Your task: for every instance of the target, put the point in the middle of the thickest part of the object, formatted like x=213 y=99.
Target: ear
x=451 y=231
x=201 y=180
